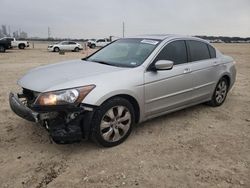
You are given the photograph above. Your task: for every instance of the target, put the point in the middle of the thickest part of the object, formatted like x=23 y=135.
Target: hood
x=60 y=75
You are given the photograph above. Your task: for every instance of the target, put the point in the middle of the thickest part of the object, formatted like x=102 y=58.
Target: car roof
x=167 y=36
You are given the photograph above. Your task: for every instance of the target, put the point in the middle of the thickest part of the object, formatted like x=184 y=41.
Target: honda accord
x=127 y=82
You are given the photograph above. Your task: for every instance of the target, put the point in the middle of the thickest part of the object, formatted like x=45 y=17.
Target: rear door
x=203 y=64
x=65 y=46
x=169 y=89
x=72 y=45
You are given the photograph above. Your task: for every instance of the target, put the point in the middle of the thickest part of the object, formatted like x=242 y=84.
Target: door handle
x=187 y=70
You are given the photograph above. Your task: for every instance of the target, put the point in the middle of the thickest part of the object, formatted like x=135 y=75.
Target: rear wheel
x=21 y=46
x=113 y=122
x=77 y=49
x=56 y=49
x=220 y=93
x=93 y=46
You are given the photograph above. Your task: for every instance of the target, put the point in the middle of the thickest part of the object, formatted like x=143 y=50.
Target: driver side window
x=175 y=51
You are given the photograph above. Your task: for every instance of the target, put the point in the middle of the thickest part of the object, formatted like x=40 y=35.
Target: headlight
x=68 y=96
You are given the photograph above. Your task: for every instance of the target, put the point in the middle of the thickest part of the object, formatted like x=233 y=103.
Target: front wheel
x=113 y=122
x=56 y=49
x=220 y=93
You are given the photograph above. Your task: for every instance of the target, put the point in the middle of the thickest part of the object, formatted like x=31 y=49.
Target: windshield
x=125 y=52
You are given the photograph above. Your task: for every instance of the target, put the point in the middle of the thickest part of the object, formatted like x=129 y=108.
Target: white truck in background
x=92 y=43
x=17 y=43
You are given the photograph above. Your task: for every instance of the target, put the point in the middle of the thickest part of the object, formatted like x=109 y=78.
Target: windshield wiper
x=105 y=63
x=102 y=62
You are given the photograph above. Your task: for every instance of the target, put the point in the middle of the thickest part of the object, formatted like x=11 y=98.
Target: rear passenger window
x=174 y=51
x=212 y=51
x=65 y=43
x=198 y=50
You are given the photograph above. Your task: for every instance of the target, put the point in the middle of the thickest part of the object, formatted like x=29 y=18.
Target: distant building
x=1 y=33
x=23 y=35
x=15 y=34
x=216 y=41
x=4 y=30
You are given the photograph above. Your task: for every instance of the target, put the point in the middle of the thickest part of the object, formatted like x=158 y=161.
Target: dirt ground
x=196 y=147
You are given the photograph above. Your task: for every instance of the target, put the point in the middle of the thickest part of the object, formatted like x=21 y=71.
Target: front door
x=166 y=90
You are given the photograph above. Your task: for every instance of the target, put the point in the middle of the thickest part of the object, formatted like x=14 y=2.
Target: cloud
x=98 y=18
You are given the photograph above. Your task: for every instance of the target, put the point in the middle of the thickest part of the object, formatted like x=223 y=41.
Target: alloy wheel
x=221 y=91
x=115 y=123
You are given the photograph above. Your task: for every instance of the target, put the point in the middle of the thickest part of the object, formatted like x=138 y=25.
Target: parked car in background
x=65 y=46
x=92 y=43
x=17 y=43
x=129 y=81
x=4 y=44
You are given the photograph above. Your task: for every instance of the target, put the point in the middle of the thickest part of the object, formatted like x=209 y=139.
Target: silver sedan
x=129 y=81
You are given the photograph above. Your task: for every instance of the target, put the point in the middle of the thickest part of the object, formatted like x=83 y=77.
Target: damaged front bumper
x=21 y=110
x=65 y=125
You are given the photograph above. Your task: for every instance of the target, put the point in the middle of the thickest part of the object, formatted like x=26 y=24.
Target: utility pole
x=9 y=31
x=123 y=29
x=49 y=33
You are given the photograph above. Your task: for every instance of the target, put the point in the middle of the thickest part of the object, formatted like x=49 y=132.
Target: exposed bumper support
x=21 y=110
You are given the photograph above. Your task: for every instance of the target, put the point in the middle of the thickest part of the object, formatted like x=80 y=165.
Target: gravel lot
x=196 y=147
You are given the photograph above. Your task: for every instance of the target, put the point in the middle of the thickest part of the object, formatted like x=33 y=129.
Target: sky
x=103 y=18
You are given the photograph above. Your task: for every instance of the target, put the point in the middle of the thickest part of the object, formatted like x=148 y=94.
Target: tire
x=2 y=49
x=21 y=46
x=220 y=93
x=76 y=49
x=56 y=49
x=113 y=122
x=92 y=46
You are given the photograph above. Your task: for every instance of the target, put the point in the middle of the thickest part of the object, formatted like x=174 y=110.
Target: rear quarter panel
x=229 y=68
x=225 y=67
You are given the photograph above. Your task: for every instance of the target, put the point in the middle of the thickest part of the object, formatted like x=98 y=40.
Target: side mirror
x=164 y=65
